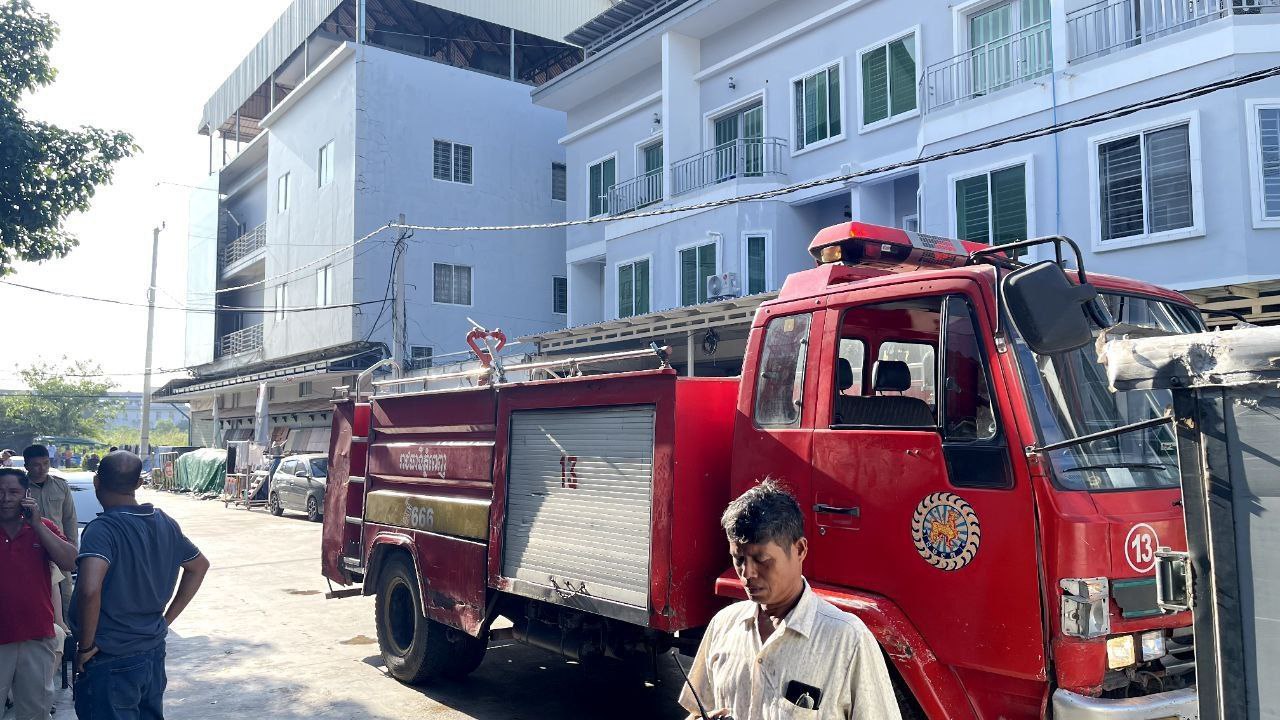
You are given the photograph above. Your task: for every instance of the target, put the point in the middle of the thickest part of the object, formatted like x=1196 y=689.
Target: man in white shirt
x=786 y=652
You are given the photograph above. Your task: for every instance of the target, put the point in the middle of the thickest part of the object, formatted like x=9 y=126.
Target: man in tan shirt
x=56 y=504
x=786 y=652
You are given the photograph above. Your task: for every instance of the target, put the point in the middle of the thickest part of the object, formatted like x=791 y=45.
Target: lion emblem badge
x=945 y=530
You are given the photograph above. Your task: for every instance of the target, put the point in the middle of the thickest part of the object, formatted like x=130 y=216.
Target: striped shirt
x=817 y=645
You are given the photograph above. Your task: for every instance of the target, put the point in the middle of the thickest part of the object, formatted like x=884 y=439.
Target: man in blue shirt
x=129 y=560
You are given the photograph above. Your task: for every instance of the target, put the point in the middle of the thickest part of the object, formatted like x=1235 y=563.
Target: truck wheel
x=273 y=504
x=313 y=509
x=415 y=648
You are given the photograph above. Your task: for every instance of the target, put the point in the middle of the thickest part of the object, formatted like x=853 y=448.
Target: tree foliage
x=64 y=399
x=46 y=172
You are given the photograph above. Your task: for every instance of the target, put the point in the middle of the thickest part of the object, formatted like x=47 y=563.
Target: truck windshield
x=1070 y=397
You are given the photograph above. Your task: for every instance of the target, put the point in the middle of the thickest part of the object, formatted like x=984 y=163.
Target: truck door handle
x=833 y=510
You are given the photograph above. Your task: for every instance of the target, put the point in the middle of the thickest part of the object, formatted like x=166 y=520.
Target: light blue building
x=345 y=116
x=685 y=101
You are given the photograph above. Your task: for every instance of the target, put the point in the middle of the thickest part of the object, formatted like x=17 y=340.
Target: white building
x=684 y=101
x=346 y=115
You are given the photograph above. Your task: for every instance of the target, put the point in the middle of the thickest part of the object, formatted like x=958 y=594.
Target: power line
x=212 y=310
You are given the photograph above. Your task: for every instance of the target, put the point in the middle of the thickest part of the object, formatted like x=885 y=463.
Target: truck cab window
x=919 y=359
x=780 y=383
x=898 y=388
x=967 y=403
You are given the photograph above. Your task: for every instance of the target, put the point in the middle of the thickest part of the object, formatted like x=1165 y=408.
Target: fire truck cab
x=974 y=489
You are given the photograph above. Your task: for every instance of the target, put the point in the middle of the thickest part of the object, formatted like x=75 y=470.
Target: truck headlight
x=1120 y=652
x=1085 y=608
x=1152 y=645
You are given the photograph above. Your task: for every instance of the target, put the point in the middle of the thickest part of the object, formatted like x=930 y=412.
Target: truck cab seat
x=880 y=410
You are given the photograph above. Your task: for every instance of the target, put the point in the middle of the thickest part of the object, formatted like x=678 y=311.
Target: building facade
x=337 y=124
x=681 y=102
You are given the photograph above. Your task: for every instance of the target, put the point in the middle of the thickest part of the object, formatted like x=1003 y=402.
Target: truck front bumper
x=1174 y=705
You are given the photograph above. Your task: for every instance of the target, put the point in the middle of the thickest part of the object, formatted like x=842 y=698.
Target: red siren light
x=887 y=248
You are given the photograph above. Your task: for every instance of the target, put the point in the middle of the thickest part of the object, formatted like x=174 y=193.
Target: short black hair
x=35 y=451
x=763 y=513
x=119 y=472
x=19 y=473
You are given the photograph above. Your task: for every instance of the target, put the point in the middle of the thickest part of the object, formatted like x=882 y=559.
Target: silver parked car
x=298 y=484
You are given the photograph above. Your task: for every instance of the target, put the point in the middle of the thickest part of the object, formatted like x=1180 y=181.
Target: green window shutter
x=609 y=179
x=706 y=267
x=593 y=189
x=810 y=111
x=833 y=100
x=875 y=87
x=642 y=287
x=653 y=157
x=1009 y=205
x=626 y=290
x=798 y=91
x=688 y=276
x=972 y=219
x=756 y=281
x=902 y=76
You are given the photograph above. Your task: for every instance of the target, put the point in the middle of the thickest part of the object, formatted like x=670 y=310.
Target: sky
x=146 y=67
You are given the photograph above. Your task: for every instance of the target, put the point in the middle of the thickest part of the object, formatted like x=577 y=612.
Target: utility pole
x=145 y=444
x=398 y=328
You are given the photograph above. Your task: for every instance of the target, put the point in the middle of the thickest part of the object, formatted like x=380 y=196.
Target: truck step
x=343 y=593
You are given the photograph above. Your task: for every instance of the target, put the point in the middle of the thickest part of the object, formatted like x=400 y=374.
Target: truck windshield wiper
x=1125 y=466
x=1140 y=425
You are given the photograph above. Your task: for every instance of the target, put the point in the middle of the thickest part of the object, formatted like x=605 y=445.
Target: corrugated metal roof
x=619 y=21
x=551 y=19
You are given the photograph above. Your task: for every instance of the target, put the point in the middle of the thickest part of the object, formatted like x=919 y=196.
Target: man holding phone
x=28 y=543
x=785 y=652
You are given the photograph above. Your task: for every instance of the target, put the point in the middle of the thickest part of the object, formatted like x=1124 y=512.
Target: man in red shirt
x=28 y=543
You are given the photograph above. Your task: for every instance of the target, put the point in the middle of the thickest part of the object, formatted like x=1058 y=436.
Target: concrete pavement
x=260 y=641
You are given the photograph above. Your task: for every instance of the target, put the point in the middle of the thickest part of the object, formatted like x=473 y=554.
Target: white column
x=692 y=356
x=681 y=105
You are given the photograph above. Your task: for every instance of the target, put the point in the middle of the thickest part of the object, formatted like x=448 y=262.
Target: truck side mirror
x=1051 y=313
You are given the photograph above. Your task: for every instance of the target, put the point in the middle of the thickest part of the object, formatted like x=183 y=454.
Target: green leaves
x=69 y=398
x=46 y=172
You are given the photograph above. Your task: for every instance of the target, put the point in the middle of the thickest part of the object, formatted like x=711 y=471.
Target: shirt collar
x=800 y=618
x=143 y=509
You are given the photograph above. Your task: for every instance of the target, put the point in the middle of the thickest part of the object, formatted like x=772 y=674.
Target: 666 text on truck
x=974 y=490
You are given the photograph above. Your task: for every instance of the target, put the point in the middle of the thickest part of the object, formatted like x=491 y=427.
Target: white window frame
x=324 y=164
x=283 y=190
x=414 y=358
x=611 y=156
x=324 y=286
x=306 y=387
x=565 y=167
x=844 y=109
x=282 y=301
x=1197 y=229
x=453 y=161
x=892 y=119
x=745 y=259
x=686 y=246
x=471 y=291
x=1029 y=184
x=565 y=278
x=1251 y=108
x=961 y=13
x=613 y=286
x=916 y=217
x=709 y=118
x=656 y=138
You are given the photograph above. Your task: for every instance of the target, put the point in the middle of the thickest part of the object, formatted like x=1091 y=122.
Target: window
x=324 y=165
x=992 y=207
x=281 y=301
x=919 y=358
x=1264 y=160
x=817 y=106
x=696 y=263
x=304 y=388
x=739 y=143
x=452 y=162
x=324 y=286
x=559 y=295
x=888 y=79
x=967 y=407
x=650 y=190
x=600 y=179
x=559 y=181
x=419 y=357
x=780 y=382
x=633 y=288
x=271 y=393
x=1009 y=42
x=282 y=193
x=452 y=284
x=757 y=280
x=1144 y=183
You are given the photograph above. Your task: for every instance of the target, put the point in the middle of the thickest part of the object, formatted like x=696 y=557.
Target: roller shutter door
x=579 y=491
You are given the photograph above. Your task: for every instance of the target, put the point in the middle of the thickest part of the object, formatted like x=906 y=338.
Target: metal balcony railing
x=1110 y=25
x=243 y=246
x=1001 y=63
x=244 y=340
x=750 y=157
x=636 y=192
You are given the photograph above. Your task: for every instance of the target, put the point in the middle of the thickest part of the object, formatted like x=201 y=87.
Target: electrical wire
x=213 y=310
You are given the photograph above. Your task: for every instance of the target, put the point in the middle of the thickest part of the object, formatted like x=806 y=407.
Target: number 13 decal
x=569 y=471
x=1140 y=547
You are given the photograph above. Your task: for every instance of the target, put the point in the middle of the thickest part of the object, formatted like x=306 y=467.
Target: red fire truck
x=974 y=490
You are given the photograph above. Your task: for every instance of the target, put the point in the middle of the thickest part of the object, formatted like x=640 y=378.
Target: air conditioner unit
x=724 y=285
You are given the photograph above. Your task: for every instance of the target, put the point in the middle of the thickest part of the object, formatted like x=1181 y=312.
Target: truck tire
x=415 y=648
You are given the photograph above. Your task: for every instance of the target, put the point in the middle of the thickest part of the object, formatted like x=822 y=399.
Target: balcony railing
x=984 y=69
x=243 y=246
x=1110 y=25
x=744 y=158
x=233 y=343
x=636 y=192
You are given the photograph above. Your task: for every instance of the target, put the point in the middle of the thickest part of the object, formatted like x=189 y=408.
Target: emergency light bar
x=887 y=248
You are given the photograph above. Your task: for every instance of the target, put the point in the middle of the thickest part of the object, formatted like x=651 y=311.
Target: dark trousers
x=122 y=687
